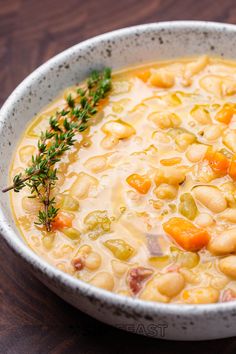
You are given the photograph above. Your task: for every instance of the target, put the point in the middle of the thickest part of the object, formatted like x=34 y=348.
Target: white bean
x=196 y=152
x=93 y=261
x=201 y=295
x=30 y=205
x=166 y=191
x=229 y=215
x=82 y=185
x=165 y=120
x=228 y=266
x=204 y=220
x=229 y=140
x=103 y=280
x=118 y=267
x=109 y=142
x=184 y=140
x=173 y=175
x=118 y=128
x=211 y=197
x=190 y=276
x=96 y=163
x=150 y=292
x=201 y=115
x=212 y=132
x=170 y=284
x=229 y=191
x=224 y=243
x=219 y=282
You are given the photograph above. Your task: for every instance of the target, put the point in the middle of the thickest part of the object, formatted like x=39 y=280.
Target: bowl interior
x=116 y=49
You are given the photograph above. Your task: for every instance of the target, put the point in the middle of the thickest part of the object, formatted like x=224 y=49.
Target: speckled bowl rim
x=67 y=281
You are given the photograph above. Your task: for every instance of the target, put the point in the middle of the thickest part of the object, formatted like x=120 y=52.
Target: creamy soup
x=147 y=194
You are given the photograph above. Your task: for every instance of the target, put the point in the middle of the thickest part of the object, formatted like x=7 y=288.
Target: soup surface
x=147 y=195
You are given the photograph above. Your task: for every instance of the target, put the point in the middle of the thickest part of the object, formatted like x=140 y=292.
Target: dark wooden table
x=33 y=319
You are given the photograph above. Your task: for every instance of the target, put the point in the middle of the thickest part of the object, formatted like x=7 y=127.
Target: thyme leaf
x=41 y=176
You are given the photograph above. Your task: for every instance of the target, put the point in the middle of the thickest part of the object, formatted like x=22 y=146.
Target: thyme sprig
x=60 y=136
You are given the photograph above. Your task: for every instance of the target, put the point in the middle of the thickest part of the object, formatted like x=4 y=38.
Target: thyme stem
x=23 y=179
x=74 y=118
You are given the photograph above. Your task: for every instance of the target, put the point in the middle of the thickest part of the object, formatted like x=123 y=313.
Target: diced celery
x=48 y=240
x=187 y=206
x=160 y=261
x=72 y=233
x=69 y=203
x=98 y=223
x=184 y=258
x=120 y=249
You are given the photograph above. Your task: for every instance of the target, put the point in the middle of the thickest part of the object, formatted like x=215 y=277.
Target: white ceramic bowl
x=116 y=49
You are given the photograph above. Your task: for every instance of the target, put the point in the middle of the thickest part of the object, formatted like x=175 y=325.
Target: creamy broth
x=149 y=189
